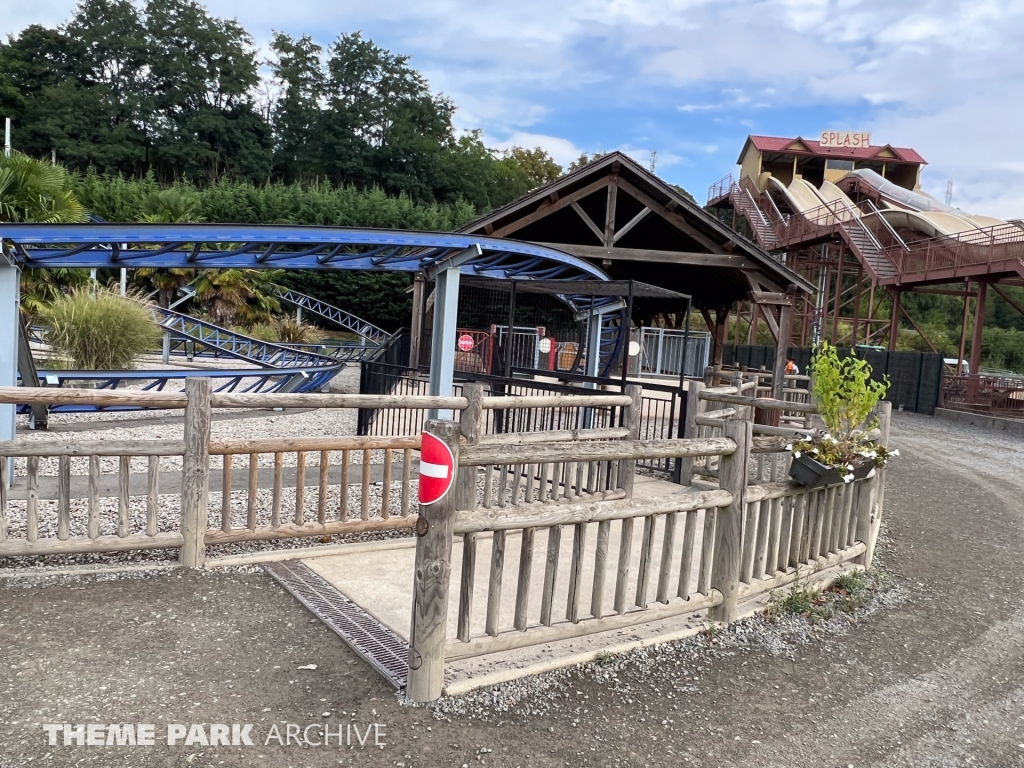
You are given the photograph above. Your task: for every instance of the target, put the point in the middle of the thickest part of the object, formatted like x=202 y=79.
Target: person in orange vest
x=791 y=367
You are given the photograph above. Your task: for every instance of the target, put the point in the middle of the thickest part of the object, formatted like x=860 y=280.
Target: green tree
x=203 y=71
x=536 y=164
x=584 y=159
x=299 y=74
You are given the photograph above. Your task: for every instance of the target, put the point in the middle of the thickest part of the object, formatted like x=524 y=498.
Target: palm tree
x=245 y=295
x=168 y=206
x=39 y=288
x=35 y=190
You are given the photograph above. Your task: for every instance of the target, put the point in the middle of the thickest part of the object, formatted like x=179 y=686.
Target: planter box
x=811 y=473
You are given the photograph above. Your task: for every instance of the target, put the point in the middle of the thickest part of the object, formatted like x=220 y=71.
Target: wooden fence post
x=694 y=407
x=435 y=532
x=472 y=426
x=725 y=569
x=870 y=520
x=631 y=420
x=195 y=473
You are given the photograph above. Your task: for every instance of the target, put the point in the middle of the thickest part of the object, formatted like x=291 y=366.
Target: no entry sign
x=437 y=469
x=465 y=342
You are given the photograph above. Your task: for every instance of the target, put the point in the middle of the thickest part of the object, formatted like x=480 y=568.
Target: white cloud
x=563 y=151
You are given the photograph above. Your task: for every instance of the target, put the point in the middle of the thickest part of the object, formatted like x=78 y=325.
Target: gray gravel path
x=933 y=676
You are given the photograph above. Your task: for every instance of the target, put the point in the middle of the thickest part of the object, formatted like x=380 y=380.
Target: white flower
x=831 y=439
x=847 y=478
x=895 y=453
x=866 y=454
x=850 y=467
x=789 y=447
x=796 y=454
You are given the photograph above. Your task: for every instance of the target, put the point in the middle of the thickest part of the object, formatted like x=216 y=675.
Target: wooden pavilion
x=626 y=220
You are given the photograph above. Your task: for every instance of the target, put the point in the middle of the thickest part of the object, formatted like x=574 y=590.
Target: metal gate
x=661 y=352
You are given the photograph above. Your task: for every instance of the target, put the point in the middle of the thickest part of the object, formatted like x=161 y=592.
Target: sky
x=690 y=79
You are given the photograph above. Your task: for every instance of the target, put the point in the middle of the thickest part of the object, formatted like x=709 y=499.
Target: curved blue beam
x=273 y=247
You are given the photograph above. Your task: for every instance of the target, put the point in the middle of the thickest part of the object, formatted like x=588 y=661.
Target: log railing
x=65 y=497
x=86 y=497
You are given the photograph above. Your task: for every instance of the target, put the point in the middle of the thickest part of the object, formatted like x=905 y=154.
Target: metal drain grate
x=381 y=647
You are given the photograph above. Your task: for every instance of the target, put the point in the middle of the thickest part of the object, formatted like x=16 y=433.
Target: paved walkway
x=938 y=681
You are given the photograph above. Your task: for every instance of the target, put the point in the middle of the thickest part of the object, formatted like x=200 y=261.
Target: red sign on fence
x=465 y=342
x=437 y=469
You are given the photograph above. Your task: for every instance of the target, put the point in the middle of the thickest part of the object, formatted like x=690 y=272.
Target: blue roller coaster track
x=341 y=318
x=282 y=367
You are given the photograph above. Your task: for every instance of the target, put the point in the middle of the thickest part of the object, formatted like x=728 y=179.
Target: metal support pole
x=10 y=290
x=894 y=321
x=124 y=281
x=509 y=335
x=594 y=345
x=442 y=339
x=7 y=137
x=974 y=379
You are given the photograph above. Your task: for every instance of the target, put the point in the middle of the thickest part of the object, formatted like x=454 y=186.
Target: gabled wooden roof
x=620 y=216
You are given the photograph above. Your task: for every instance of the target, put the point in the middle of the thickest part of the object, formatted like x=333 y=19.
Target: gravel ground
x=929 y=674
x=228 y=424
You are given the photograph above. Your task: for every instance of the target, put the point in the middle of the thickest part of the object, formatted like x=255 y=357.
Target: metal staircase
x=744 y=202
x=865 y=246
x=775 y=232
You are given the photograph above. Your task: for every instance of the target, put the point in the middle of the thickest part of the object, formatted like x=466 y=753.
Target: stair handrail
x=782 y=219
x=885 y=223
x=864 y=229
x=721 y=188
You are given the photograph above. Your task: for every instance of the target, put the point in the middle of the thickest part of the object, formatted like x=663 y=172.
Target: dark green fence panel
x=915 y=378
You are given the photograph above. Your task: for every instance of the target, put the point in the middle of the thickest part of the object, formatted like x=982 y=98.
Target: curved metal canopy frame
x=218 y=246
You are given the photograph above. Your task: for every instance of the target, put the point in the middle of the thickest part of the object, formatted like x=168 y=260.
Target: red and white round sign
x=465 y=342
x=544 y=345
x=437 y=469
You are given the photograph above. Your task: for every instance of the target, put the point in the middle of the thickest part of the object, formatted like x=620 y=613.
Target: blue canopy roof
x=219 y=246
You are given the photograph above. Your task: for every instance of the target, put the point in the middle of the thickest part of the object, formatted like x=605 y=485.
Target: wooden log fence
x=155 y=494
x=524 y=508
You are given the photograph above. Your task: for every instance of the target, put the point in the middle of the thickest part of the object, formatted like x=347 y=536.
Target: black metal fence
x=663 y=406
x=915 y=378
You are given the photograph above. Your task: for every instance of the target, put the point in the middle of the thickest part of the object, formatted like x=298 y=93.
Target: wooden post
x=694 y=407
x=195 y=474
x=472 y=427
x=631 y=420
x=870 y=520
x=721 y=330
x=781 y=348
x=725 y=573
x=435 y=533
x=416 y=321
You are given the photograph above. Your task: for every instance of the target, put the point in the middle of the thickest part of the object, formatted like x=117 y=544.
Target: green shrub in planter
x=100 y=330
x=845 y=395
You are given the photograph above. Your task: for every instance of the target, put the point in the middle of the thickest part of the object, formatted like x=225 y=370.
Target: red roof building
x=807 y=159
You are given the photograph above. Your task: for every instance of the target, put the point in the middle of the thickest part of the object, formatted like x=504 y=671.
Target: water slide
x=921 y=212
